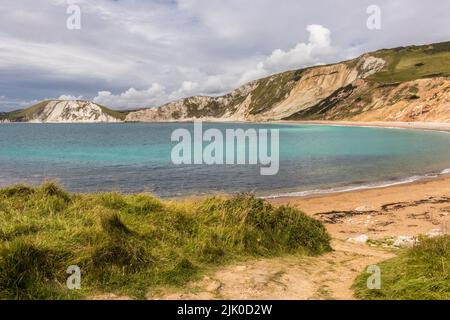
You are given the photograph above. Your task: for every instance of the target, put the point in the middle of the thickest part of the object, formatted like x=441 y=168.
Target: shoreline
x=431 y=126
x=408 y=209
x=382 y=184
x=427 y=126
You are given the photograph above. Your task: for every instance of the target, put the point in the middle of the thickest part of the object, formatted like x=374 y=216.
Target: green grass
x=28 y=113
x=414 y=62
x=121 y=115
x=133 y=244
x=420 y=273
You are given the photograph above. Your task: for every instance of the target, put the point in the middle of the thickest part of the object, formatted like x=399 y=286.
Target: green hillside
x=413 y=62
x=26 y=114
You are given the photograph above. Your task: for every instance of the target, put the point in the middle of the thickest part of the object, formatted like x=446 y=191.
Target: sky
x=129 y=54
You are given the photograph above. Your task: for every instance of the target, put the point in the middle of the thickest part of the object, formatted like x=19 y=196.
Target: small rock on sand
x=405 y=241
x=435 y=233
x=359 y=239
x=363 y=208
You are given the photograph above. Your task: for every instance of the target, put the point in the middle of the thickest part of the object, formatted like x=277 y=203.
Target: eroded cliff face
x=418 y=100
x=272 y=98
x=363 y=100
x=199 y=107
x=73 y=111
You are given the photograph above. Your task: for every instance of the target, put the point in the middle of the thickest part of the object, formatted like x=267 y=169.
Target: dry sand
x=408 y=209
x=437 y=126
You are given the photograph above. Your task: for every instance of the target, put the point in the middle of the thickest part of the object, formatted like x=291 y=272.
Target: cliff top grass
x=419 y=273
x=118 y=114
x=131 y=244
x=29 y=113
x=414 y=62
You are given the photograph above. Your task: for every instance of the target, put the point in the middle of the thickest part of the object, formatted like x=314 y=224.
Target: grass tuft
x=50 y=189
x=17 y=190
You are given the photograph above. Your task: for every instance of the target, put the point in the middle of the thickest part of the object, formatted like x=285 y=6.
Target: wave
x=372 y=185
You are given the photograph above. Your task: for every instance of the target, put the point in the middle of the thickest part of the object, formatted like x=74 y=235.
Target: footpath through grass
x=129 y=244
x=420 y=273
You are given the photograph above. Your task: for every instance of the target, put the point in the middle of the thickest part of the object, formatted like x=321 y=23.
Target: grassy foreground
x=420 y=273
x=129 y=244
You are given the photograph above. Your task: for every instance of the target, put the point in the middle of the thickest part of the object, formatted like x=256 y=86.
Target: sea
x=136 y=157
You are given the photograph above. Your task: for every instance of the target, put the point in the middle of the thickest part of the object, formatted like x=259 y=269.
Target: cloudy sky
x=131 y=53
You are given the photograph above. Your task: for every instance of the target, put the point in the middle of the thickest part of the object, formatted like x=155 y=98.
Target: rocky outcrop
x=73 y=111
x=417 y=100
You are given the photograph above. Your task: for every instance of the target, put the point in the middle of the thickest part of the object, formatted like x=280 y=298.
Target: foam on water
x=374 y=185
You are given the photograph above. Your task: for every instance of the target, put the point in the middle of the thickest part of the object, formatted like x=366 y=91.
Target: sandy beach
x=403 y=210
x=435 y=126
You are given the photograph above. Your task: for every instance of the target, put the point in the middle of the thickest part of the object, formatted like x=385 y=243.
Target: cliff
x=401 y=84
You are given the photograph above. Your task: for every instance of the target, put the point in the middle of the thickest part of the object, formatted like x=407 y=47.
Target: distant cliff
x=402 y=84
x=61 y=111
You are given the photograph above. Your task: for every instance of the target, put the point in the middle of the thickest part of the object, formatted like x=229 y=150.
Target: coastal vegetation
x=419 y=273
x=130 y=244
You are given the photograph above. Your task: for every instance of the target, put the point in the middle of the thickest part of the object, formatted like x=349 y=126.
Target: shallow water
x=136 y=157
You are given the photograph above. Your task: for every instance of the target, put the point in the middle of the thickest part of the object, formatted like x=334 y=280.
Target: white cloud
x=69 y=97
x=317 y=50
x=132 y=98
x=188 y=87
x=63 y=61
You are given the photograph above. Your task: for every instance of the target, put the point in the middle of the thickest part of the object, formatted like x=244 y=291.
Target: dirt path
x=326 y=277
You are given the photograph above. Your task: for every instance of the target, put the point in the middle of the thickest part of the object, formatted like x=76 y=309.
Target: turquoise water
x=136 y=157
